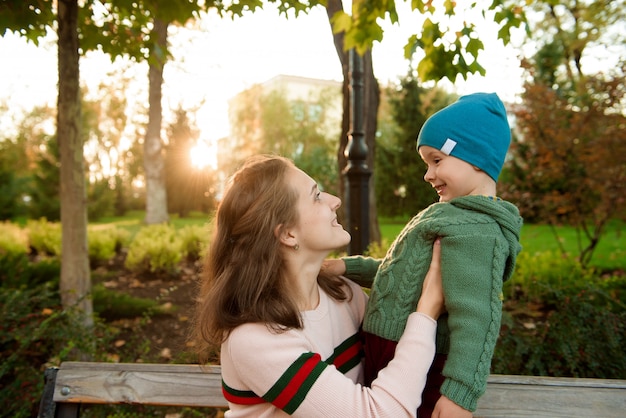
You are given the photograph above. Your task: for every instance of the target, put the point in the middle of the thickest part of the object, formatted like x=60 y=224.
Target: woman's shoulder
x=258 y=337
x=353 y=286
x=356 y=303
x=346 y=313
x=253 y=331
x=359 y=297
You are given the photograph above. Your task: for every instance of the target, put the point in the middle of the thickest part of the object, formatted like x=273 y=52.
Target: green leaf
x=30 y=19
x=342 y=22
x=474 y=46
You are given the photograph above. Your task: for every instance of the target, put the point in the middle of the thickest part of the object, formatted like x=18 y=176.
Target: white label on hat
x=448 y=146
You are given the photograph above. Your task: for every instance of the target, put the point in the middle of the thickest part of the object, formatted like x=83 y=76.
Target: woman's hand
x=445 y=408
x=431 y=302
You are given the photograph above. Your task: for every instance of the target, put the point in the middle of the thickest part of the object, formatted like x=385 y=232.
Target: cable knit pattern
x=479 y=246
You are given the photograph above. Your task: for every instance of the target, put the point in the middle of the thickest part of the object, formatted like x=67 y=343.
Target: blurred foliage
x=563 y=320
x=566 y=164
x=548 y=278
x=105 y=242
x=400 y=186
x=302 y=128
x=34 y=332
x=189 y=188
x=45 y=186
x=100 y=199
x=195 y=240
x=155 y=249
x=112 y=305
x=13 y=239
x=44 y=237
x=576 y=337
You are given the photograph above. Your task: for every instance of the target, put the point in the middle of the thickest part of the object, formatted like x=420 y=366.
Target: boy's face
x=452 y=177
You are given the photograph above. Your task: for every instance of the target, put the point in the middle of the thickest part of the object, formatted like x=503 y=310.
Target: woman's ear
x=284 y=236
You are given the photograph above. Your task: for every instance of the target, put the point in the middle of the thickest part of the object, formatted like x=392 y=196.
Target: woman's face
x=317 y=228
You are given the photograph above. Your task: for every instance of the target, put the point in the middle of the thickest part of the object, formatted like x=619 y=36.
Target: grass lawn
x=133 y=221
x=610 y=253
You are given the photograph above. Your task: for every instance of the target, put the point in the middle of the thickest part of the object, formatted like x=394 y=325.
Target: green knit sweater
x=479 y=246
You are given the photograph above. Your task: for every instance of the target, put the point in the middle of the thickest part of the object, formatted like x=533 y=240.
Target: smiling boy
x=464 y=146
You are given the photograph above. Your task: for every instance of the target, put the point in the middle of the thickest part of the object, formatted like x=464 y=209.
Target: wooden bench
x=76 y=383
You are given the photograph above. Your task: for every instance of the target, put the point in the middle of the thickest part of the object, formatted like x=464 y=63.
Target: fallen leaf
x=166 y=353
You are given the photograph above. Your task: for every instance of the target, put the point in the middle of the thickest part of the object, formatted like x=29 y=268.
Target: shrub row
x=161 y=248
x=154 y=249
x=43 y=238
x=562 y=320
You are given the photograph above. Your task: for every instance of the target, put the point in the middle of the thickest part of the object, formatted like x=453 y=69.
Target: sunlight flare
x=203 y=155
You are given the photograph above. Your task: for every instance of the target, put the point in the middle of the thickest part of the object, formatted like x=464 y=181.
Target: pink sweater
x=317 y=371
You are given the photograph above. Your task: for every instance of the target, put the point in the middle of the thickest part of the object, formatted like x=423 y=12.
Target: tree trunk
x=370 y=116
x=156 y=195
x=75 y=283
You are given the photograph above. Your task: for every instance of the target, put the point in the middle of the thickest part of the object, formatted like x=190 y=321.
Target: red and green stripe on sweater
x=291 y=388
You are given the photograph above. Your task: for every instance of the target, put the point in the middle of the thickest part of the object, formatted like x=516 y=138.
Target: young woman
x=289 y=337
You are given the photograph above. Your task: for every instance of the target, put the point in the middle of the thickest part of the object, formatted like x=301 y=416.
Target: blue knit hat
x=474 y=129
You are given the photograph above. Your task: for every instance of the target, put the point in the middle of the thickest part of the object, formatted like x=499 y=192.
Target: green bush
x=18 y=271
x=13 y=239
x=44 y=236
x=111 y=305
x=100 y=199
x=155 y=249
x=562 y=320
x=105 y=242
x=195 y=239
x=35 y=333
x=579 y=338
x=539 y=276
x=377 y=250
x=582 y=340
x=612 y=289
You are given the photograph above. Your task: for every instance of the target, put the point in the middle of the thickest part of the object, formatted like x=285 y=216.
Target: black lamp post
x=357 y=172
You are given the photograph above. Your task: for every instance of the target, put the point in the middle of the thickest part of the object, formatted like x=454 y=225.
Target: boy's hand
x=445 y=408
x=333 y=267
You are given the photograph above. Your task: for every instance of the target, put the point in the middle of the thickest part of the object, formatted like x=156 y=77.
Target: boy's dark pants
x=379 y=351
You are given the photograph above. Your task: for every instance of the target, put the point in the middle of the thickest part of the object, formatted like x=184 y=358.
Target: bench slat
x=551 y=397
x=194 y=386
x=153 y=384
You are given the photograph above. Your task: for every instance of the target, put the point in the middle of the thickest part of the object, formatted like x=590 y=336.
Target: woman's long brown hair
x=242 y=279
